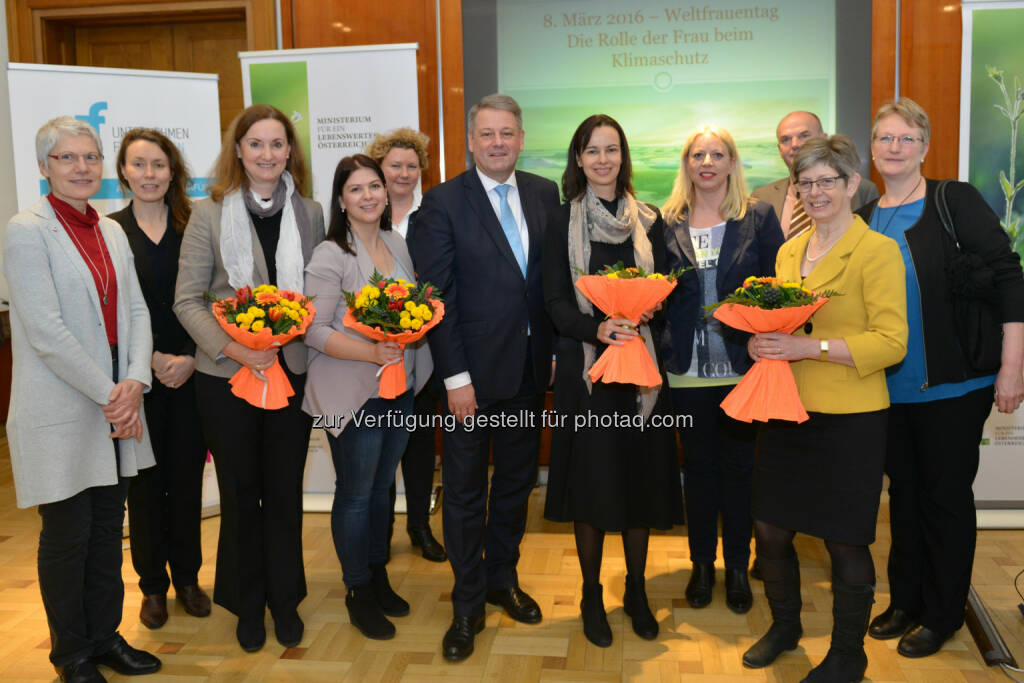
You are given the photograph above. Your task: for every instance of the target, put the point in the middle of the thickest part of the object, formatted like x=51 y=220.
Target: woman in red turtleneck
x=82 y=345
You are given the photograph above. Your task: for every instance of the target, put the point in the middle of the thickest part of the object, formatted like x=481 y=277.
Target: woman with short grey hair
x=82 y=344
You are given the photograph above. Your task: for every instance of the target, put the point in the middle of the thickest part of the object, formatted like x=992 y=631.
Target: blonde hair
x=403 y=138
x=734 y=206
x=907 y=109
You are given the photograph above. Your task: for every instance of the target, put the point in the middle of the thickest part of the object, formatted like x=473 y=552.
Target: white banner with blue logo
x=182 y=106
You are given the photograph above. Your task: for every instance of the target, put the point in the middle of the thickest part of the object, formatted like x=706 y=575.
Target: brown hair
x=228 y=173
x=403 y=138
x=574 y=181
x=339 y=229
x=176 y=199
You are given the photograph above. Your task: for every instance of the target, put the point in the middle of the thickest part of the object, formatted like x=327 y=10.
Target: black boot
x=635 y=605
x=782 y=588
x=390 y=602
x=846 y=660
x=365 y=614
x=595 y=620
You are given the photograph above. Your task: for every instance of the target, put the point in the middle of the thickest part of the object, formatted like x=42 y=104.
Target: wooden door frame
x=26 y=19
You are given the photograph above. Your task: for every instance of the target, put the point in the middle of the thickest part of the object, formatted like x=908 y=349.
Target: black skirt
x=822 y=477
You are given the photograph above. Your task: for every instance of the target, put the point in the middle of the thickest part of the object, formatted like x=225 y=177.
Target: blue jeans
x=365 y=459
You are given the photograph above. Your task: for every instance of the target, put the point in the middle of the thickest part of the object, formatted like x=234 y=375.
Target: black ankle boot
x=365 y=614
x=595 y=620
x=390 y=602
x=635 y=605
x=846 y=660
x=782 y=588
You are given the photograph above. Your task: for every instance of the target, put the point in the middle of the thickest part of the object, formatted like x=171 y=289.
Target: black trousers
x=932 y=459
x=718 y=454
x=482 y=532
x=79 y=566
x=260 y=456
x=418 y=460
x=165 y=502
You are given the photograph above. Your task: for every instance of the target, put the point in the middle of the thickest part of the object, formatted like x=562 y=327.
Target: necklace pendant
x=105 y=300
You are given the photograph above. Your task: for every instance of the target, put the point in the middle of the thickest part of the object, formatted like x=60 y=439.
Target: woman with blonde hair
x=402 y=156
x=715 y=227
x=257 y=227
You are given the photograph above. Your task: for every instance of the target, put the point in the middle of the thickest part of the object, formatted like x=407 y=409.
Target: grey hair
x=907 y=109
x=495 y=101
x=836 y=151
x=54 y=129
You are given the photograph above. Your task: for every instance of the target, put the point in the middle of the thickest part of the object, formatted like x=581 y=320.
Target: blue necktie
x=508 y=224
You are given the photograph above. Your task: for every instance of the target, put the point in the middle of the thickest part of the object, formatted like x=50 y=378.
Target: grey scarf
x=590 y=221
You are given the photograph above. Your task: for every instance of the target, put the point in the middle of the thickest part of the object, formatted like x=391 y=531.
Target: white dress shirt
x=402 y=227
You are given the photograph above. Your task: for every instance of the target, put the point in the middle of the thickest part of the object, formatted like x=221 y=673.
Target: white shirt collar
x=490 y=183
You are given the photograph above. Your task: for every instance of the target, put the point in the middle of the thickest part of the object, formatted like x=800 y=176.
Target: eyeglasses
x=70 y=158
x=905 y=140
x=827 y=183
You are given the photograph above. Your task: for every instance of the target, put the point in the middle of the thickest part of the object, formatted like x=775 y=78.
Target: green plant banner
x=285 y=86
x=996 y=166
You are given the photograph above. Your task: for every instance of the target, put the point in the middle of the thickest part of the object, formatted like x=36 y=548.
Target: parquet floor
x=694 y=645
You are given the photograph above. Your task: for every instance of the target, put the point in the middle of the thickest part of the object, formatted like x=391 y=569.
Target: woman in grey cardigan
x=82 y=344
x=344 y=382
x=255 y=209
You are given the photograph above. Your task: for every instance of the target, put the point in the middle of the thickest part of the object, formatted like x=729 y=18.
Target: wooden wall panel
x=327 y=23
x=929 y=48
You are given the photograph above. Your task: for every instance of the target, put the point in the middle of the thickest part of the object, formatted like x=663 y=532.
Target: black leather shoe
x=516 y=603
x=755 y=571
x=892 y=623
x=366 y=615
x=781 y=637
x=391 y=603
x=425 y=541
x=251 y=633
x=80 y=672
x=595 y=620
x=126 y=660
x=458 y=641
x=698 y=589
x=288 y=628
x=195 y=600
x=737 y=591
x=920 y=641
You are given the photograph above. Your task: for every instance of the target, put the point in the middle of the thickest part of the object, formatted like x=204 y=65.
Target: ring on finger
x=612 y=335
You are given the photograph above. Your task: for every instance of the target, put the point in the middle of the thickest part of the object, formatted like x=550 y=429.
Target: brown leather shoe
x=195 y=600
x=154 y=610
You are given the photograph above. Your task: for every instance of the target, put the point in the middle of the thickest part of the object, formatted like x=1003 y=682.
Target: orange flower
x=267 y=298
x=396 y=291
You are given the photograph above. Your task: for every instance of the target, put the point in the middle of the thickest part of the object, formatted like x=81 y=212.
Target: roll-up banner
x=338 y=99
x=182 y=106
x=991 y=159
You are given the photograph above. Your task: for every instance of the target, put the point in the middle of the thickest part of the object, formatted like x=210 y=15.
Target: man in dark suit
x=478 y=239
x=793 y=131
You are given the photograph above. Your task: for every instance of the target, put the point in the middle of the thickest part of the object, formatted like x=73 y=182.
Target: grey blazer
x=336 y=387
x=201 y=269
x=775 y=194
x=60 y=444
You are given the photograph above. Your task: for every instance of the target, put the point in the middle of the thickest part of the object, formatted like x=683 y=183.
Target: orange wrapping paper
x=392 y=377
x=629 y=363
x=768 y=390
x=273 y=392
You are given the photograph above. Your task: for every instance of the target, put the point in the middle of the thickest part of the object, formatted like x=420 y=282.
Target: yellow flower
x=410 y=306
x=360 y=302
x=243 y=319
x=304 y=312
x=655 y=276
x=374 y=293
x=405 y=323
x=257 y=326
x=750 y=280
x=613 y=276
x=416 y=323
x=425 y=312
x=244 y=326
x=265 y=289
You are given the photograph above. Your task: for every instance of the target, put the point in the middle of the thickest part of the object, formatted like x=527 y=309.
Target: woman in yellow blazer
x=824 y=477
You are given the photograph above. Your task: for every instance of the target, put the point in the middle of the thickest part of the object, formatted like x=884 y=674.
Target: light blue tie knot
x=508 y=224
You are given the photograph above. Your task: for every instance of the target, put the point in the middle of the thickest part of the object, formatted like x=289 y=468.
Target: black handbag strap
x=943 y=208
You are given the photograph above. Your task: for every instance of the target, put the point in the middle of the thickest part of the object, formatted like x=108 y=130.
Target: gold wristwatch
x=824 y=351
